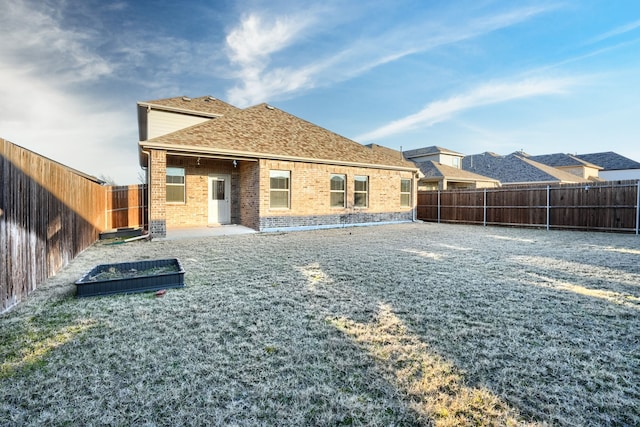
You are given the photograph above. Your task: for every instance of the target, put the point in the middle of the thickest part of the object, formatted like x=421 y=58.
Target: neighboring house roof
x=561 y=159
x=516 y=168
x=208 y=105
x=424 y=151
x=263 y=131
x=610 y=161
x=432 y=169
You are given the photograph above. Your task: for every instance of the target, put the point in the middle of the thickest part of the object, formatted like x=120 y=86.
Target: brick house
x=209 y=162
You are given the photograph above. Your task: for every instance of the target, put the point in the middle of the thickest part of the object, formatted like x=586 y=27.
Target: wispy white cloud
x=249 y=47
x=494 y=93
x=42 y=64
x=33 y=41
x=253 y=43
x=615 y=32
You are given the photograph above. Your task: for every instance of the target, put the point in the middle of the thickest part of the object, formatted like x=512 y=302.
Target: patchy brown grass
x=414 y=324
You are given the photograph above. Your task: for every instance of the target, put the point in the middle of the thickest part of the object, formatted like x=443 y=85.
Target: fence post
x=548 y=206
x=438 y=206
x=637 y=207
x=484 y=219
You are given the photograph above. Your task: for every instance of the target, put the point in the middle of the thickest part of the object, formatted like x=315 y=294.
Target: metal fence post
x=637 y=207
x=484 y=220
x=548 y=206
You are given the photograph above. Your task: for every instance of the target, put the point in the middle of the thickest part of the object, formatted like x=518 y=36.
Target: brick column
x=158 y=189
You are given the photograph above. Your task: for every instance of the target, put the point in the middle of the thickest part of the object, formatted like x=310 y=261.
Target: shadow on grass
x=434 y=386
x=27 y=345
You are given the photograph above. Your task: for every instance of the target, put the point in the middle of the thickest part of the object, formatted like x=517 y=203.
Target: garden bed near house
x=131 y=277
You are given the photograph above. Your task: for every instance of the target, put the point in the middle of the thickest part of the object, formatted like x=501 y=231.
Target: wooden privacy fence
x=49 y=213
x=125 y=206
x=603 y=206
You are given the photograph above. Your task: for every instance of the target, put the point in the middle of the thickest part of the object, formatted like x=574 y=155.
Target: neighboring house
x=614 y=166
x=442 y=170
x=437 y=154
x=569 y=163
x=517 y=169
x=437 y=176
x=211 y=163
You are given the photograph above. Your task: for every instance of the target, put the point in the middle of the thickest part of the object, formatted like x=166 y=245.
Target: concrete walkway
x=180 y=233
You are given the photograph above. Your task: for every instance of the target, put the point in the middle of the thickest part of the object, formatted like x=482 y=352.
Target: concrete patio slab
x=179 y=233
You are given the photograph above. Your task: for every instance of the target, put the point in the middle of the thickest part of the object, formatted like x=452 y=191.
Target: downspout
x=148 y=153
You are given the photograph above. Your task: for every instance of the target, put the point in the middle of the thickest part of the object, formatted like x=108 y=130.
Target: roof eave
x=178 y=110
x=178 y=149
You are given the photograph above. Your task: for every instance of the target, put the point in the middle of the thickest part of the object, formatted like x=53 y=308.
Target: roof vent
x=210 y=98
x=270 y=107
x=186 y=98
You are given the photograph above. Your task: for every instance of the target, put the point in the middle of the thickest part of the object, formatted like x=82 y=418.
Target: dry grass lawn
x=412 y=324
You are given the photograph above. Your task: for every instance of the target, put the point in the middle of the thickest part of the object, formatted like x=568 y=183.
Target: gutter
x=247 y=155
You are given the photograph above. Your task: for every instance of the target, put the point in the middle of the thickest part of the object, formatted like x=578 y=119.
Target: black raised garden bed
x=131 y=277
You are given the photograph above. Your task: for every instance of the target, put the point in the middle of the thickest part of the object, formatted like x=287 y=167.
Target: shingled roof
x=208 y=105
x=561 y=159
x=424 y=151
x=263 y=131
x=432 y=169
x=610 y=161
x=516 y=168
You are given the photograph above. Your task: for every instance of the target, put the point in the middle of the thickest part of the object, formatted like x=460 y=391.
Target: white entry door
x=219 y=199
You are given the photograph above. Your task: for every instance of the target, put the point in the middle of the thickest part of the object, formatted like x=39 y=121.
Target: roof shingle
x=266 y=131
x=610 y=161
x=204 y=104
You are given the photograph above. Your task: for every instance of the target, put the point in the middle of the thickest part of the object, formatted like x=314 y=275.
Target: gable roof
x=516 y=169
x=610 y=161
x=204 y=105
x=263 y=131
x=432 y=169
x=425 y=151
x=561 y=159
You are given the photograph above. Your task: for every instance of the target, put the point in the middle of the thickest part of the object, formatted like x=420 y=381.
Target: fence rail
x=604 y=206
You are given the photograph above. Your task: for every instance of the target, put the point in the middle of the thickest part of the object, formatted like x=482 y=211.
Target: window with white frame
x=175 y=185
x=405 y=192
x=338 y=190
x=361 y=192
x=279 y=189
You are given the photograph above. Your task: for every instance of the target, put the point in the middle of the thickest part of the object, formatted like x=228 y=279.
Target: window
x=361 y=192
x=279 y=189
x=405 y=192
x=338 y=189
x=456 y=162
x=175 y=185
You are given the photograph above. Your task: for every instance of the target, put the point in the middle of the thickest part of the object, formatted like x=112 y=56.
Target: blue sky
x=472 y=76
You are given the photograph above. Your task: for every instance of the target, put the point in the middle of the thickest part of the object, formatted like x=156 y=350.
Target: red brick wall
x=195 y=210
x=310 y=189
x=310 y=193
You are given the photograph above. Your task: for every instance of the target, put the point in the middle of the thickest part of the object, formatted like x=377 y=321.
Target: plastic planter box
x=131 y=277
